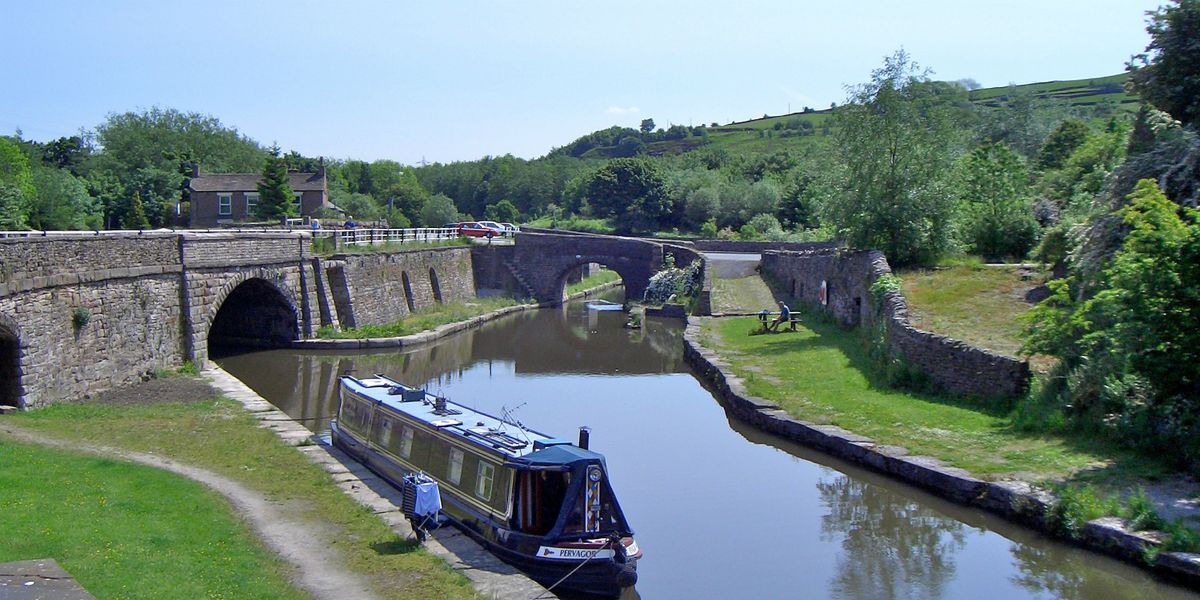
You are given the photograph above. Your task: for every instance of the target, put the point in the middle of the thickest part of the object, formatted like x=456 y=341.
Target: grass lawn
x=220 y=436
x=819 y=374
x=976 y=304
x=602 y=277
x=423 y=319
x=129 y=531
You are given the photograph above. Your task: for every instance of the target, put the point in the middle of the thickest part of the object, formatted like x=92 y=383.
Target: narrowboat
x=537 y=502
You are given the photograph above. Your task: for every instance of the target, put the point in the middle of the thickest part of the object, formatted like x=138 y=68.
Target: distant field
x=761 y=136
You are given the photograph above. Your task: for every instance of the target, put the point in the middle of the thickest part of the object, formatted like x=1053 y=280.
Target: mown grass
x=220 y=436
x=823 y=374
x=423 y=319
x=745 y=294
x=970 y=302
x=600 y=278
x=129 y=531
x=574 y=223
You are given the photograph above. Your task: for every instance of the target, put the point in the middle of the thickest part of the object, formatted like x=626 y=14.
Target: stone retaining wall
x=377 y=289
x=949 y=364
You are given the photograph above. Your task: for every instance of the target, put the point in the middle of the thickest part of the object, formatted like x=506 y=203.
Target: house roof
x=248 y=182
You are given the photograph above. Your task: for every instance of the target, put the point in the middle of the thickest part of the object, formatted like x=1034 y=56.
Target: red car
x=473 y=229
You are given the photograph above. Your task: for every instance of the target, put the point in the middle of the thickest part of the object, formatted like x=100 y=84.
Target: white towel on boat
x=429 y=500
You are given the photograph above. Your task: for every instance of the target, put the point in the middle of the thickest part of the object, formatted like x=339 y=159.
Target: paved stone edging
x=490 y=576
x=1015 y=500
x=438 y=332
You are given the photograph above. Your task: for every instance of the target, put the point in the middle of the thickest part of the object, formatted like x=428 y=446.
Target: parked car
x=509 y=228
x=493 y=226
x=473 y=229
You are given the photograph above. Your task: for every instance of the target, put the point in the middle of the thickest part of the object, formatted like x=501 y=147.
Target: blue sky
x=445 y=81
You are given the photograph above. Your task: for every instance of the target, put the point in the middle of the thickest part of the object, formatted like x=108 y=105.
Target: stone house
x=227 y=198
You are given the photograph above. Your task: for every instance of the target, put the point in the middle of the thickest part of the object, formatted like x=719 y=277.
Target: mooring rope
x=564 y=577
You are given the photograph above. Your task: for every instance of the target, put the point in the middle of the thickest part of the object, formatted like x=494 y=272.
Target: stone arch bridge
x=81 y=312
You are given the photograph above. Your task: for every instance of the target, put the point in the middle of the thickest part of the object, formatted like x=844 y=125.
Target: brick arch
x=12 y=354
x=264 y=312
x=627 y=275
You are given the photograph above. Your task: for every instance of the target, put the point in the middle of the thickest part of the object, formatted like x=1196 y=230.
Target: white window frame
x=224 y=204
x=483 y=480
x=252 y=199
x=456 y=464
x=299 y=199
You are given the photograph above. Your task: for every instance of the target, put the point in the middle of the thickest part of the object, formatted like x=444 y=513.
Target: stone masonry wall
x=374 y=283
x=949 y=364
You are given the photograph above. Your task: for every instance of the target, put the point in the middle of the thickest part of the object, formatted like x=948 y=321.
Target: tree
x=647 y=125
x=894 y=138
x=1165 y=75
x=275 y=196
x=66 y=153
x=502 y=211
x=438 y=211
x=62 y=202
x=1064 y=140
x=135 y=217
x=997 y=215
x=631 y=188
x=16 y=185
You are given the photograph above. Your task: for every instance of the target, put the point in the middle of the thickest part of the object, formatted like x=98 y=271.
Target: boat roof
x=491 y=433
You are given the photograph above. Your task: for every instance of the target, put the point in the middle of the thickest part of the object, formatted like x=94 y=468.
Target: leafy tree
x=62 y=202
x=632 y=188
x=1064 y=140
x=1166 y=74
x=438 y=211
x=160 y=137
x=362 y=207
x=997 y=216
x=405 y=196
x=502 y=211
x=702 y=206
x=1130 y=354
x=894 y=139
x=13 y=208
x=16 y=185
x=275 y=195
x=647 y=125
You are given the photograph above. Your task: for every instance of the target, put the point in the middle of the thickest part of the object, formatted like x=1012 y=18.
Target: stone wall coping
x=415 y=339
x=40 y=282
x=1017 y=501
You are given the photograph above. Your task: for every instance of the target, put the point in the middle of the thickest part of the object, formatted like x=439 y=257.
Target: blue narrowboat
x=540 y=503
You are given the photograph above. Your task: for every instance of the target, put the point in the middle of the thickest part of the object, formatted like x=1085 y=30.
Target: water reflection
x=722 y=510
x=892 y=546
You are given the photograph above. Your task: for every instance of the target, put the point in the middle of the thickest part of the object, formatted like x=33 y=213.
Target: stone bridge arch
x=252 y=310
x=12 y=391
x=543 y=260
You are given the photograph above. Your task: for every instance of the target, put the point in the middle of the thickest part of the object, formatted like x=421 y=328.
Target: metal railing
x=371 y=237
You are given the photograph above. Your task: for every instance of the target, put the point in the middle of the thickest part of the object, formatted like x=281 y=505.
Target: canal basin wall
x=1017 y=501
x=381 y=288
x=948 y=364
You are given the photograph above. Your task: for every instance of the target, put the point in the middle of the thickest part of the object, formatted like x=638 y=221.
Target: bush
x=673 y=283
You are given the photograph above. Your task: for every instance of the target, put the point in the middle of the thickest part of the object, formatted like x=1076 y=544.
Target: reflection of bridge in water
x=304 y=384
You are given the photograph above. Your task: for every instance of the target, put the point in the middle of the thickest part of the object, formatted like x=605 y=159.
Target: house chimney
x=321 y=167
x=195 y=169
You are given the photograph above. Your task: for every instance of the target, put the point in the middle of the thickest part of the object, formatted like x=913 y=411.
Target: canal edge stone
x=1014 y=500
x=489 y=576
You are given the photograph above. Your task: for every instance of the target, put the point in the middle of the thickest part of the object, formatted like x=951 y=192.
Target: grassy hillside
x=799 y=129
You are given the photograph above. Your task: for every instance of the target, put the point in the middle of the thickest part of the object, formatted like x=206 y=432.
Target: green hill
x=796 y=130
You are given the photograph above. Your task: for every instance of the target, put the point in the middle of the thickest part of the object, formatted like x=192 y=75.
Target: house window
x=299 y=196
x=224 y=204
x=456 y=461
x=251 y=202
x=483 y=483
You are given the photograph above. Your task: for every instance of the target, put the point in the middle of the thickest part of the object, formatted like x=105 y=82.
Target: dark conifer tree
x=275 y=196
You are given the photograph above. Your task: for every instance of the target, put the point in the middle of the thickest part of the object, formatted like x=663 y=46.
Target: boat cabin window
x=384 y=432
x=456 y=464
x=406 y=441
x=483 y=482
x=355 y=414
x=539 y=499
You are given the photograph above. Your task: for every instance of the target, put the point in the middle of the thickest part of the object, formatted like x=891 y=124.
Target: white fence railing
x=370 y=237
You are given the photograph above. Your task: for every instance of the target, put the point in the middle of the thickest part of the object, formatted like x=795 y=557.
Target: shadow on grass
x=396 y=546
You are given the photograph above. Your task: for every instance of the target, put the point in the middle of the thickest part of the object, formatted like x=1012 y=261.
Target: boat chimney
x=585 y=435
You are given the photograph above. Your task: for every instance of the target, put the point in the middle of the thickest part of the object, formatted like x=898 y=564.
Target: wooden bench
x=764 y=318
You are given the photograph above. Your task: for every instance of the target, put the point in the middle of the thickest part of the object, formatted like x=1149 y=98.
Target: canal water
x=720 y=510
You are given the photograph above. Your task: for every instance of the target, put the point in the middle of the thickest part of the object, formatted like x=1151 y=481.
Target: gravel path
x=317 y=568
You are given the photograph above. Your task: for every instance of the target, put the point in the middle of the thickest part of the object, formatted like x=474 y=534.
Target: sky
x=445 y=80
